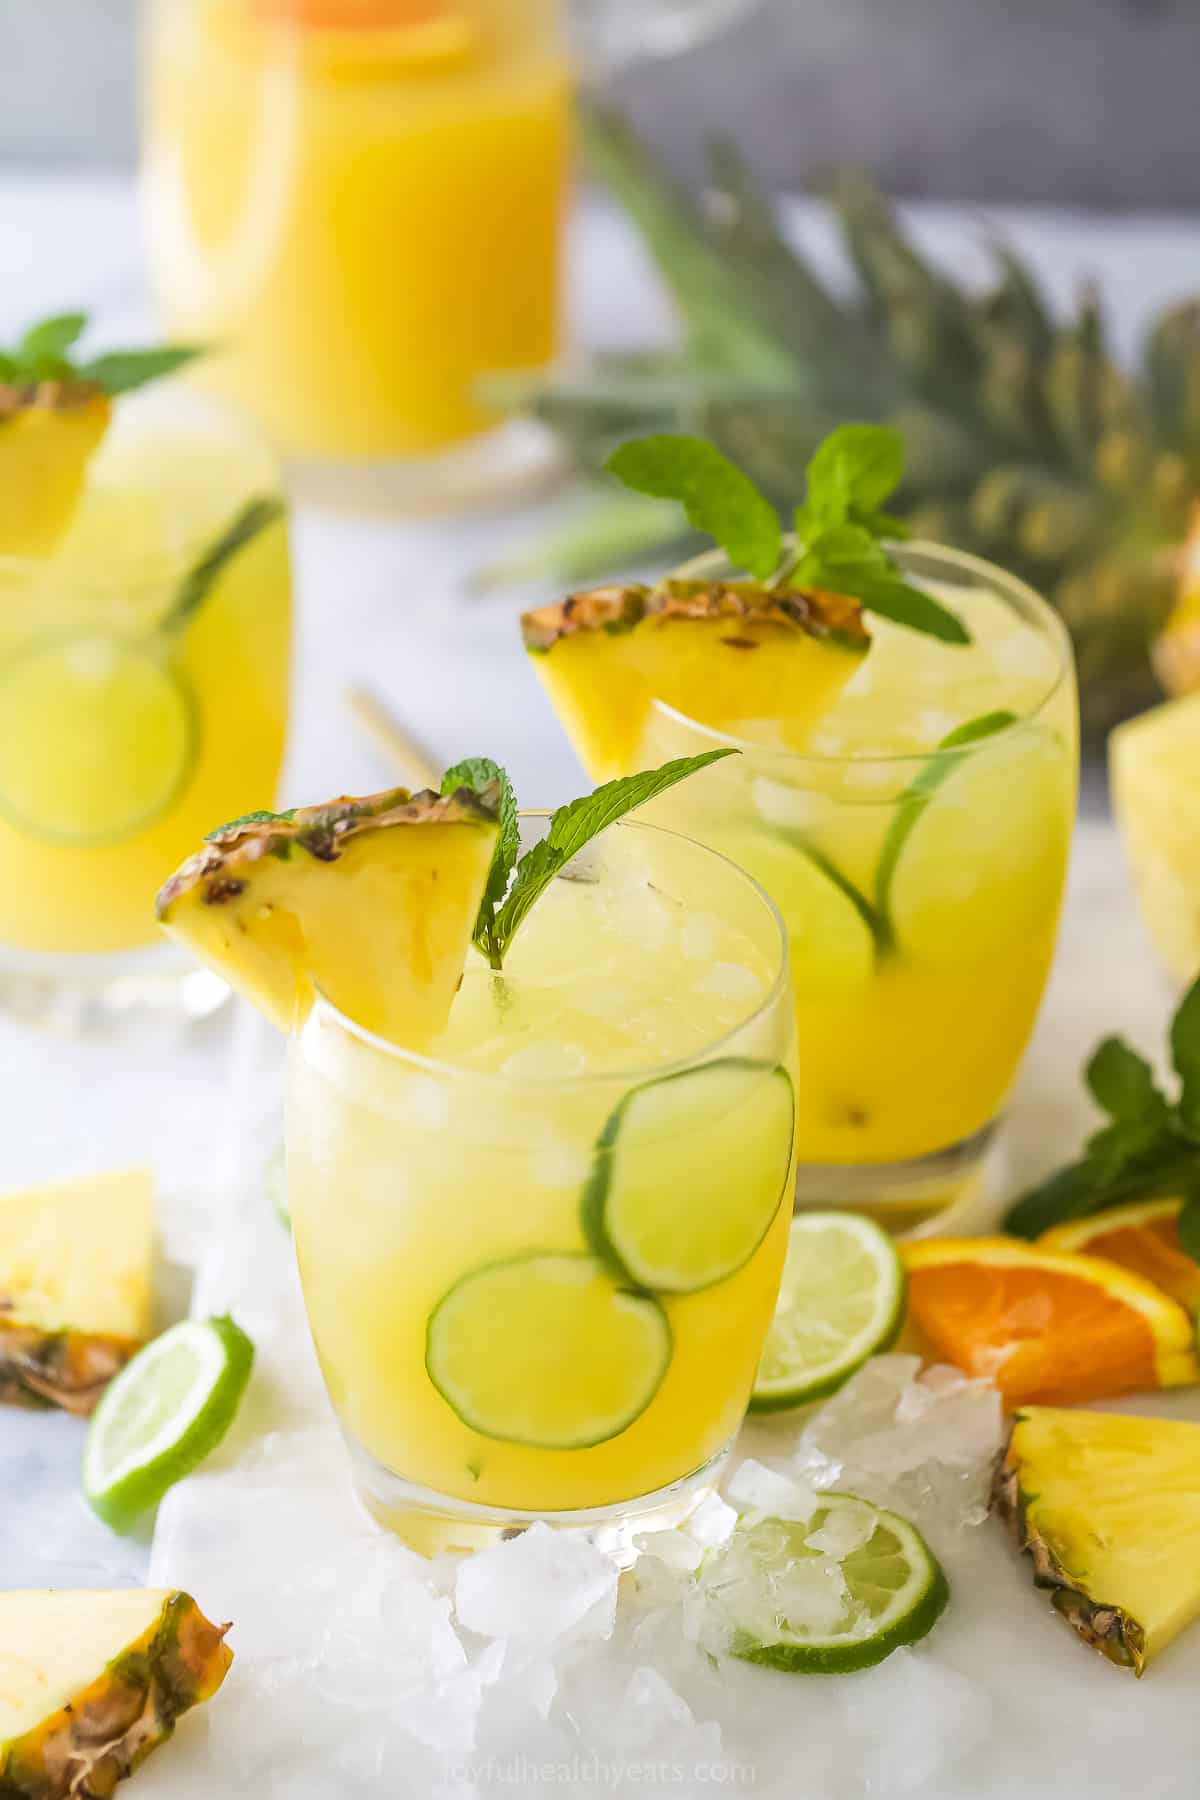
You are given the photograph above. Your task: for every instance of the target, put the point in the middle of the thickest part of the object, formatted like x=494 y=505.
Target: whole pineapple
x=1025 y=442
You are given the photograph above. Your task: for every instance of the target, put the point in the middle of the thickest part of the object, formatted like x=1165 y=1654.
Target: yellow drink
x=143 y=680
x=539 y=1266
x=362 y=203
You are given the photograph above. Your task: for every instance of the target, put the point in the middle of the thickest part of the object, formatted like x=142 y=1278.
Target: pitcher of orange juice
x=359 y=203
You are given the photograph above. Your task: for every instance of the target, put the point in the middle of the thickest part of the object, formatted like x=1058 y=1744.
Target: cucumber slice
x=547 y=1350
x=97 y=740
x=773 y=1596
x=841 y=1300
x=832 y=930
x=690 y=1171
x=975 y=843
x=162 y=1415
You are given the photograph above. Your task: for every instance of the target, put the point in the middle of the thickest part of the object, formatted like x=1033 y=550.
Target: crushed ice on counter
x=756 y=1488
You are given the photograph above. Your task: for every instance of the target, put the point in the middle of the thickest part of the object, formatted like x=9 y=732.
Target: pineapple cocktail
x=144 y=648
x=906 y=796
x=540 y=1241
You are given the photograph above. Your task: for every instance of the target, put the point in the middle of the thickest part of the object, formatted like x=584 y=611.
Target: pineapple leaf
x=477 y=772
x=1185 y=1054
x=575 y=824
x=717 y=498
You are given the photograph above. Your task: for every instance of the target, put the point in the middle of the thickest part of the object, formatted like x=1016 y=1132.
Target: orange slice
x=1047 y=1325
x=1144 y=1237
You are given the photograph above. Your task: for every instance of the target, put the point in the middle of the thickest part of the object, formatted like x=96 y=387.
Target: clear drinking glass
x=540 y=1261
x=920 y=882
x=361 y=203
x=143 y=693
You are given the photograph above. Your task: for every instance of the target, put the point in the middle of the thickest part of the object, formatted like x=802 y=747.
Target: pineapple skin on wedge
x=371 y=902
x=92 y=1682
x=1108 y=1507
x=720 y=652
x=1154 y=765
x=47 y=437
x=76 y=1287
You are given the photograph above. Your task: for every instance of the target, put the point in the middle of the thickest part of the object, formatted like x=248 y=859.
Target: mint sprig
x=573 y=826
x=476 y=772
x=45 y=353
x=1149 y=1148
x=840 y=525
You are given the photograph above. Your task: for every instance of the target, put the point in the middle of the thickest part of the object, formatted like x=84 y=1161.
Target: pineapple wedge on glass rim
x=91 y=1682
x=47 y=436
x=371 y=902
x=1108 y=1507
x=720 y=652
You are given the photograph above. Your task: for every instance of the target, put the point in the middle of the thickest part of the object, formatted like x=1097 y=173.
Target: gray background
x=1086 y=101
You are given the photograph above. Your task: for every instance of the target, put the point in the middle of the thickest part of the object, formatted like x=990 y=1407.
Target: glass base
x=518 y=460
x=114 y=995
x=430 y=1523
x=946 y=1191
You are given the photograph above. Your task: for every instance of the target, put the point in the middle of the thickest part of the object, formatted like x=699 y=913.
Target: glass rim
x=991 y=575
x=628 y=1075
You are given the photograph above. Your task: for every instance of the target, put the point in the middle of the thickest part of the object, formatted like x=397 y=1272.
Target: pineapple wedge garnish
x=721 y=653
x=1177 y=652
x=91 y=1682
x=369 y=902
x=76 y=1274
x=47 y=436
x=1154 y=765
x=1108 y=1507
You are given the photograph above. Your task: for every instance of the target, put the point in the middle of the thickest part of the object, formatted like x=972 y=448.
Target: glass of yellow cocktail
x=144 y=661
x=539 y=1258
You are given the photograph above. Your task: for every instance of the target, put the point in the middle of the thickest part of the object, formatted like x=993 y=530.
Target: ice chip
x=758 y=1489
x=539 y=1586
x=843 y=1531
x=810 y=1594
x=729 y=981
x=542 y=1061
x=699 y=937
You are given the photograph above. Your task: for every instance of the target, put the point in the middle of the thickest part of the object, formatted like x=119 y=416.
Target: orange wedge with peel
x=1144 y=1237
x=1045 y=1325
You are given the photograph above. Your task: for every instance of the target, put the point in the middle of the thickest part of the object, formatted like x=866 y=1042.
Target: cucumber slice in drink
x=690 y=1171
x=773 y=1596
x=841 y=1300
x=547 y=1350
x=975 y=842
x=831 y=928
x=97 y=740
x=162 y=1415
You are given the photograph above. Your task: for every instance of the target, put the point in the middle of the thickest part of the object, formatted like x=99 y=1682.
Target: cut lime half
x=690 y=1171
x=774 y=1596
x=547 y=1350
x=162 y=1415
x=840 y=1301
x=97 y=740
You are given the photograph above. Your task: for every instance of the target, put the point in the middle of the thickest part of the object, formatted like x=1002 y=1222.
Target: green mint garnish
x=260 y=817
x=1149 y=1148
x=44 y=354
x=839 y=523
x=476 y=772
x=570 y=828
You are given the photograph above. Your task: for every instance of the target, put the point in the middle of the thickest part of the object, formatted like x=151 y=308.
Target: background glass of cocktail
x=920 y=885
x=144 y=667
x=539 y=1263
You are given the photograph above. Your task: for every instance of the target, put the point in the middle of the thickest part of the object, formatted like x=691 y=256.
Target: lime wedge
x=547 y=1350
x=97 y=740
x=782 y=1591
x=690 y=1171
x=840 y=1301
x=831 y=928
x=974 y=842
x=162 y=1415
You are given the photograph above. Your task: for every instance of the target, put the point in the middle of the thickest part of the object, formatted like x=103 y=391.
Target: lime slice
x=689 y=1173
x=785 y=1593
x=547 y=1350
x=162 y=1415
x=97 y=740
x=840 y=1301
x=975 y=842
x=831 y=928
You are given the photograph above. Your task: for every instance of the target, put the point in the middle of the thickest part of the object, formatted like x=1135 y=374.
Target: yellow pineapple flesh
x=722 y=653
x=1108 y=1507
x=48 y=434
x=1154 y=766
x=76 y=1281
x=92 y=1681
x=370 y=902
x=1177 y=652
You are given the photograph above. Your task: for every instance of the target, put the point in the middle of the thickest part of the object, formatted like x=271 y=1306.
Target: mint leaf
x=894 y=599
x=718 y=499
x=476 y=772
x=855 y=469
x=1123 y=1085
x=42 y=351
x=1188 y=1224
x=260 y=817
x=1185 y=1054
x=200 y=579
x=123 y=370
x=574 y=825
